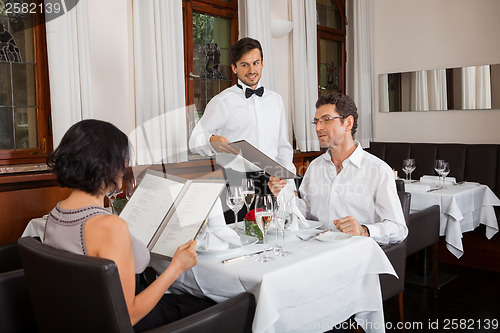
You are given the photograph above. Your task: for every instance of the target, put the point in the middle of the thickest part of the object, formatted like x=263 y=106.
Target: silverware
x=245 y=256
x=312 y=236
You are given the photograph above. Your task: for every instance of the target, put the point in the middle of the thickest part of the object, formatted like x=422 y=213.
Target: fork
x=312 y=236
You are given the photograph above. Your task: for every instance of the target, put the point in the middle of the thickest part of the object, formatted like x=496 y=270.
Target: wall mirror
x=463 y=88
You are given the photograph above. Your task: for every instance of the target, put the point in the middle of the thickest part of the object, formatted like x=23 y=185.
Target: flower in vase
x=118 y=203
x=251 y=227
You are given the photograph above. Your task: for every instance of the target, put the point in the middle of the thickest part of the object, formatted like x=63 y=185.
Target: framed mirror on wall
x=462 y=88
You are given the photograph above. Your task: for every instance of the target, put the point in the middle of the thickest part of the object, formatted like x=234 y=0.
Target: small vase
x=252 y=229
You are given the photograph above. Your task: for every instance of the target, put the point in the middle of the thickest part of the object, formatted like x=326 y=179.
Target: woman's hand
x=185 y=257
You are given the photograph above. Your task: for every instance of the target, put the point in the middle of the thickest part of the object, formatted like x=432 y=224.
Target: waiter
x=245 y=111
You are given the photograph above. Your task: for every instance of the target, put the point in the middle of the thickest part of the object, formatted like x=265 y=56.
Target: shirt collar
x=355 y=158
x=244 y=86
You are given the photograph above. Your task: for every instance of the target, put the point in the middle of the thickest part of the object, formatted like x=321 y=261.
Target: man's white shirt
x=260 y=121
x=365 y=189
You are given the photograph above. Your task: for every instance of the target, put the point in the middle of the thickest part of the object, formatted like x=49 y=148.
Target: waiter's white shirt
x=260 y=121
x=365 y=189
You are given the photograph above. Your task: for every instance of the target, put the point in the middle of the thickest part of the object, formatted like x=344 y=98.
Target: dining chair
x=9 y=257
x=391 y=286
x=77 y=293
x=16 y=311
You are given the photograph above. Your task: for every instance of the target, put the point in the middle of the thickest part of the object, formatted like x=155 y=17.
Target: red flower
x=250 y=216
x=122 y=195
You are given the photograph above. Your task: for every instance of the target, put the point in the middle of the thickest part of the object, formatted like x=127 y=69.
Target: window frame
x=337 y=35
x=44 y=129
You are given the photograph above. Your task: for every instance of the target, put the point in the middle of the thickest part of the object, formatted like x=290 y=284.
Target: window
x=24 y=94
x=331 y=45
x=210 y=27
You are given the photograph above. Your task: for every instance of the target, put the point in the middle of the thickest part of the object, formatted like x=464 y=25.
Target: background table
x=316 y=287
x=463 y=207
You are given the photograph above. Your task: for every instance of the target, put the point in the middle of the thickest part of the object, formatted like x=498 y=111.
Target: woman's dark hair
x=92 y=156
x=243 y=46
x=344 y=106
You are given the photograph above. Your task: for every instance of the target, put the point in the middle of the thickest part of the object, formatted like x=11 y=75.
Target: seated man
x=347 y=187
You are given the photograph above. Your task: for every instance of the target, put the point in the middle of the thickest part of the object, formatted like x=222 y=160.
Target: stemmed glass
x=264 y=216
x=445 y=171
x=439 y=167
x=282 y=218
x=234 y=199
x=408 y=167
x=248 y=193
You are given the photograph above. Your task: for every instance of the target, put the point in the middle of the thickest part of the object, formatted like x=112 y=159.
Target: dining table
x=317 y=286
x=463 y=207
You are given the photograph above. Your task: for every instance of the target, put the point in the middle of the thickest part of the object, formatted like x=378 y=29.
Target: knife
x=245 y=256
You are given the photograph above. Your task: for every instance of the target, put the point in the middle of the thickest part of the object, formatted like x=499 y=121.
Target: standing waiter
x=245 y=111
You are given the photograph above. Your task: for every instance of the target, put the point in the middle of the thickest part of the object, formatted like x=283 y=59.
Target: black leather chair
x=76 y=293
x=423 y=233
x=16 y=311
x=391 y=286
x=9 y=257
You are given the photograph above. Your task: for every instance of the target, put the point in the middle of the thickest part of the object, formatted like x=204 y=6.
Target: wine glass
x=408 y=167
x=439 y=167
x=234 y=199
x=282 y=218
x=445 y=171
x=248 y=193
x=264 y=216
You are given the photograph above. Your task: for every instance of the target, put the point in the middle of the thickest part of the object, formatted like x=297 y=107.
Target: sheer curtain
x=361 y=78
x=161 y=134
x=419 y=96
x=255 y=22
x=476 y=87
x=69 y=69
x=436 y=80
x=304 y=73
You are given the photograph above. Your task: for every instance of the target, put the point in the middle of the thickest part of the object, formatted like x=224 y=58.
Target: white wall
x=430 y=34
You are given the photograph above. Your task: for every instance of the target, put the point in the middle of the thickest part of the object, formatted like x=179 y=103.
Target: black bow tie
x=249 y=92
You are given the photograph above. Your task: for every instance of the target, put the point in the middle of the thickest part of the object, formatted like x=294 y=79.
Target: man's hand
x=349 y=225
x=276 y=184
x=221 y=145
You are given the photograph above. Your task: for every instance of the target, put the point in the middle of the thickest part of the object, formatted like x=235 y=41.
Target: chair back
x=423 y=229
x=396 y=253
x=9 y=257
x=16 y=311
x=72 y=292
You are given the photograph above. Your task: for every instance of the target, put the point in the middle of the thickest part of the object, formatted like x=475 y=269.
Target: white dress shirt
x=365 y=189
x=260 y=121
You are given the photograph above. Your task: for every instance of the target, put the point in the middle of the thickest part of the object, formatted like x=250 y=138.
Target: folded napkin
x=218 y=235
x=435 y=180
x=417 y=187
x=287 y=194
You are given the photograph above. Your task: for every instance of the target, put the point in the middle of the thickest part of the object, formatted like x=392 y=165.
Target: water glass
x=234 y=200
x=439 y=167
x=282 y=218
x=264 y=216
x=408 y=167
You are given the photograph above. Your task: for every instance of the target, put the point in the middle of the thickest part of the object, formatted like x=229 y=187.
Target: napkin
x=287 y=194
x=435 y=180
x=218 y=235
x=417 y=187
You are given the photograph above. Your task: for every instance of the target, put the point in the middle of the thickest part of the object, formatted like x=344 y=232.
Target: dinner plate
x=333 y=236
x=245 y=241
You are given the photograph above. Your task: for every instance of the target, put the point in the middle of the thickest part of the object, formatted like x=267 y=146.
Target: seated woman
x=91 y=160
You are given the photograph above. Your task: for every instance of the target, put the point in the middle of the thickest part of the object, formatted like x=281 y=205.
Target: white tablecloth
x=463 y=207
x=316 y=287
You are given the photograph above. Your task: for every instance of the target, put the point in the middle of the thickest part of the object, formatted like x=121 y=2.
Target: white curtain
x=360 y=73
x=419 y=96
x=255 y=22
x=69 y=69
x=476 y=87
x=161 y=134
x=436 y=80
x=383 y=87
x=304 y=73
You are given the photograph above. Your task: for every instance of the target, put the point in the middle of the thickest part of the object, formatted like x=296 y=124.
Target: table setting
x=463 y=205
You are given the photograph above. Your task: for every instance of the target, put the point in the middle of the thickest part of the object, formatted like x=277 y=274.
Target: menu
x=166 y=211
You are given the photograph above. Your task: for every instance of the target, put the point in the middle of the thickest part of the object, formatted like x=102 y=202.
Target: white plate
x=333 y=236
x=245 y=241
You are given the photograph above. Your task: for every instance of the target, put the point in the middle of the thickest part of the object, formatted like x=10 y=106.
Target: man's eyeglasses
x=324 y=120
